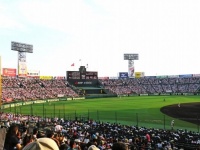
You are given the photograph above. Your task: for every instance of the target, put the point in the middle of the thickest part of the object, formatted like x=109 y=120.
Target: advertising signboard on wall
x=9 y=72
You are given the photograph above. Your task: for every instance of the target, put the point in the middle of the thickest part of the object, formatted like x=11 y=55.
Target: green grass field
x=139 y=110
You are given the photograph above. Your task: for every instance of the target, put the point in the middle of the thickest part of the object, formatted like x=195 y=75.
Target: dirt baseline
x=189 y=112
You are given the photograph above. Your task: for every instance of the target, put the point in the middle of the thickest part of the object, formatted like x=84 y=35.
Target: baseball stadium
x=143 y=112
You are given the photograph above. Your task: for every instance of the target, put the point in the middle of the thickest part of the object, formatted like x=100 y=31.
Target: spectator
x=93 y=147
x=28 y=139
x=42 y=144
x=172 y=124
x=119 y=146
x=12 y=142
x=73 y=146
x=35 y=132
x=51 y=135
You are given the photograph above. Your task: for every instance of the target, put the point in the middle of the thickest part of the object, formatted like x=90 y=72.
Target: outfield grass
x=138 y=110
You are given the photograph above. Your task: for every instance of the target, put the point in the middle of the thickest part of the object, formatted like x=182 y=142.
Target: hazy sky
x=165 y=34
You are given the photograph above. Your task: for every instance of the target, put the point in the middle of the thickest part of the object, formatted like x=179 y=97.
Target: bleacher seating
x=32 y=88
x=152 y=85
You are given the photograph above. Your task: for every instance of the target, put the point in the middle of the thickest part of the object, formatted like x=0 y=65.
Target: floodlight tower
x=131 y=68
x=22 y=49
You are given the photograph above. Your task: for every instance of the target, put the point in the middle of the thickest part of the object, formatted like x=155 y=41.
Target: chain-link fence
x=146 y=119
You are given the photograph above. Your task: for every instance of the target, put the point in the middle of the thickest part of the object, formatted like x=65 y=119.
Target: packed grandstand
x=35 y=88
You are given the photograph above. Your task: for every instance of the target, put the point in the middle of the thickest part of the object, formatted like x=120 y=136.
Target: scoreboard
x=73 y=75
x=77 y=75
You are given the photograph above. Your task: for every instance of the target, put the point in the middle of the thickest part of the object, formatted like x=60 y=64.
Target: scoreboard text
x=74 y=75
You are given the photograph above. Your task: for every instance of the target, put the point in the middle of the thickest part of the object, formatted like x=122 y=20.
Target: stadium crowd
x=33 y=88
x=83 y=135
x=152 y=85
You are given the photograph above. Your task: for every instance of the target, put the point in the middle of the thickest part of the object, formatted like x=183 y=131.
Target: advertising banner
x=173 y=76
x=103 y=78
x=123 y=75
x=46 y=77
x=9 y=72
x=163 y=76
x=185 y=75
x=150 y=77
x=59 y=77
x=139 y=74
x=22 y=70
x=33 y=73
x=113 y=77
x=83 y=83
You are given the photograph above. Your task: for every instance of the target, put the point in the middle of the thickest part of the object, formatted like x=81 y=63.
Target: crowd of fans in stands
x=81 y=135
x=152 y=85
x=32 y=89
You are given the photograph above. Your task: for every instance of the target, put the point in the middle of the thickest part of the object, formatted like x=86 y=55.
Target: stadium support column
x=131 y=68
x=22 y=66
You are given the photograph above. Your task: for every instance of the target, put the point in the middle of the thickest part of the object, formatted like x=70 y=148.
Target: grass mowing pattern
x=138 y=110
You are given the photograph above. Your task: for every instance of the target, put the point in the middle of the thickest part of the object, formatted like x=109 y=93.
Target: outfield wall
x=15 y=104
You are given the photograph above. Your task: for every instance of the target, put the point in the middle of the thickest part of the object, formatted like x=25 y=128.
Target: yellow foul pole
x=0 y=85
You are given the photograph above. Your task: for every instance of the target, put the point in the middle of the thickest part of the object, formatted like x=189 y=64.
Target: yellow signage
x=46 y=77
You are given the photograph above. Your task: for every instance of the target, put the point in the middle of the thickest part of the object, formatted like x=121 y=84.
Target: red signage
x=9 y=72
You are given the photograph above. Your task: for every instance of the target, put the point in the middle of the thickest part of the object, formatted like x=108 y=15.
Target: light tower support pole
x=131 y=67
x=22 y=49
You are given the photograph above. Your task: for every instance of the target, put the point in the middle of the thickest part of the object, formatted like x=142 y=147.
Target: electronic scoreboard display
x=74 y=75
x=91 y=75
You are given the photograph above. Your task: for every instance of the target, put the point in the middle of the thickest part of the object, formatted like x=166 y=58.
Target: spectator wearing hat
x=42 y=144
x=93 y=147
x=78 y=144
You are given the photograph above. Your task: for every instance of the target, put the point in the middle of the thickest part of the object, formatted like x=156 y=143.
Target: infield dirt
x=189 y=112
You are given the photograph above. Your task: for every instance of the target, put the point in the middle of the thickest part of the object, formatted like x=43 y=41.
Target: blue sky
x=165 y=34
